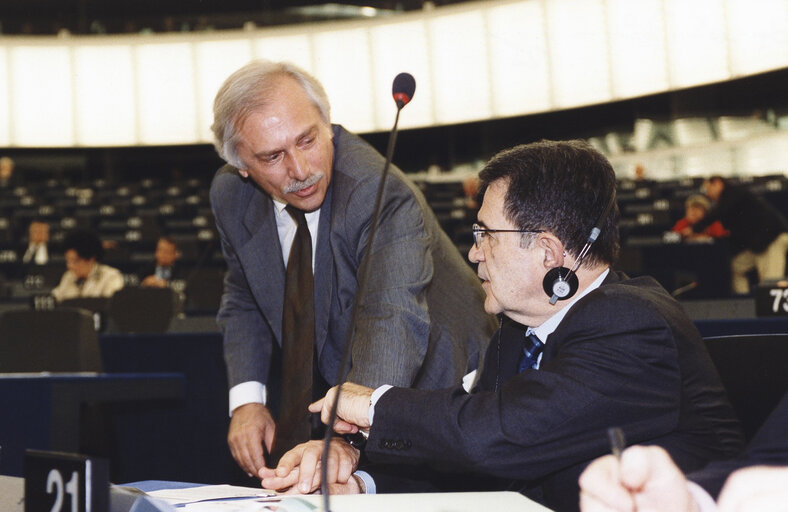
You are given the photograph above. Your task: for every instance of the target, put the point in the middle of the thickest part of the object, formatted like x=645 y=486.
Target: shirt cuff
x=702 y=498
x=374 y=399
x=247 y=393
x=369 y=482
x=469 y=380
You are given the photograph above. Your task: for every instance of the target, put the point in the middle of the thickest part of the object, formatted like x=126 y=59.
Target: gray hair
x=247 y=90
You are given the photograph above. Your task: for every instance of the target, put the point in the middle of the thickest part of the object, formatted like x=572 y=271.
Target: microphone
x=402 y=90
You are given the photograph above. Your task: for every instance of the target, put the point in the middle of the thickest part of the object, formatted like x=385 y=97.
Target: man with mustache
x=422 y=323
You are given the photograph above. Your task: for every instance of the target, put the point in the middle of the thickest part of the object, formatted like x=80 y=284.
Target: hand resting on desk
x=298 y=471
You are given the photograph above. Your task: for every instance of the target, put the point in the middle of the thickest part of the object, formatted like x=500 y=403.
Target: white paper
x=208 y=493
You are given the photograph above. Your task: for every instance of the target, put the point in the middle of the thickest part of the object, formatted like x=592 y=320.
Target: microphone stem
x=344 y=368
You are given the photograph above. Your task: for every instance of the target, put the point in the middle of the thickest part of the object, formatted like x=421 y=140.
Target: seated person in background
x=165 y=269
x=695 y=208
x=759 y=234
x=618 y=351
x=7 y=177
x=647 y=478
x=86 y=277
x=37 y=251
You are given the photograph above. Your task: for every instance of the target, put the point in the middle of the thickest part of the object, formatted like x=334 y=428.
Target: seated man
x=86 y=277
x=36 y=252
x=647 y=479
x=600 y=349
x=165 y=269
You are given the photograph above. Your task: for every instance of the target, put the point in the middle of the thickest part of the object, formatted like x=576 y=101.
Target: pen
x=617 y=442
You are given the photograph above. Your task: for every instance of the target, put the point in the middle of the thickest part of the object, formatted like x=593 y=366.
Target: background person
x=86 y=277
x=759 y=234
x=37 y=250
x=165 y=267
x=422 y=323
x=696 y=207
x=8 y=178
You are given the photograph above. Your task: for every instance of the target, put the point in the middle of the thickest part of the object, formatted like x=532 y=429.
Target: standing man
x=615 y=352
x=759 y=234
x=298 y=193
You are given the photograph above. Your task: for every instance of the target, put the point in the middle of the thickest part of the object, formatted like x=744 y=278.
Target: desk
x=414 y=502
x=44 y=411
x=677 y=264
x=12 y=495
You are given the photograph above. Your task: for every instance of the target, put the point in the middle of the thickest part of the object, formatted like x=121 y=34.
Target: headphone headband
x=564 y=286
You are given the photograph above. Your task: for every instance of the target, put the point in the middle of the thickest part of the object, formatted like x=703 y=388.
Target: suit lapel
x=555 y=341
x=261 y=259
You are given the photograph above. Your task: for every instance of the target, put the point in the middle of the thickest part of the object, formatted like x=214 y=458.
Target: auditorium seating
x=752 y=368
x=133 y=214
x=139 y=309
x=58 y=340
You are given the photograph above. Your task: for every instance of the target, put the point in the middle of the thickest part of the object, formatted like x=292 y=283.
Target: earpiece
x=560 y=283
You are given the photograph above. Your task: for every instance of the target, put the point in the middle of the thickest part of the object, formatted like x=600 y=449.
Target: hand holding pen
x=639 y=478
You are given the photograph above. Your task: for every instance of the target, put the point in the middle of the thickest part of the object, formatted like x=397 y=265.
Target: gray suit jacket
x=422 y=322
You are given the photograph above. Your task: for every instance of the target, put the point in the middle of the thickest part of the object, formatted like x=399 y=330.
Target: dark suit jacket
x=624 y=355
x=768 y=447
x=179 y=272
x=422 y=322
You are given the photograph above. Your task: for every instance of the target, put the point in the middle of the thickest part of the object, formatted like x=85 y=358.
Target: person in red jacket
x=695 y=208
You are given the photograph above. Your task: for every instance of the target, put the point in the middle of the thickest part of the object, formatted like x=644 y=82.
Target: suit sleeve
x=247 y=338
x=393 y=323
x=617 y=367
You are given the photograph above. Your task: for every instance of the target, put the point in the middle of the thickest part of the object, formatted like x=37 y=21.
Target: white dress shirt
x=286 y=227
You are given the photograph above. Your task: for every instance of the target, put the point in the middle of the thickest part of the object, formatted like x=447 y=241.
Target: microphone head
x=403 y=88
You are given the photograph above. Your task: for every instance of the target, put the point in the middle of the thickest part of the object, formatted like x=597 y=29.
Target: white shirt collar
x=286 y=229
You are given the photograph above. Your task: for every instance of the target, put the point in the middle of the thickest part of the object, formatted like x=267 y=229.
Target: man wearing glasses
x=581 y=348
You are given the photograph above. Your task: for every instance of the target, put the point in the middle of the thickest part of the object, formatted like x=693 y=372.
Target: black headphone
x=560 y=283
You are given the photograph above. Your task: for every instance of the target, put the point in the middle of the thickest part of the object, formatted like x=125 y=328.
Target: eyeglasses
x=479 y=232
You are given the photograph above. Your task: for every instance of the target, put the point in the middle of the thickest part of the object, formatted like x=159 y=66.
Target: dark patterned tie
x=298 y=342
x=532 y=347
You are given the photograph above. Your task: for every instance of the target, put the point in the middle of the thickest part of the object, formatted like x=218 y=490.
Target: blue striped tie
x=532 y=347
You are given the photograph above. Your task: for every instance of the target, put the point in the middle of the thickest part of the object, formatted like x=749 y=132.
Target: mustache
x=295 y=186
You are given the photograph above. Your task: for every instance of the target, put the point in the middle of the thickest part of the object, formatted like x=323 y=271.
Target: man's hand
x=251 y=427
x=757 y=488
x=299 y=469
x=645 y=480
x=353 y=410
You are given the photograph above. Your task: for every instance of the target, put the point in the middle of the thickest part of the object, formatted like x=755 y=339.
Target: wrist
x=362 y=488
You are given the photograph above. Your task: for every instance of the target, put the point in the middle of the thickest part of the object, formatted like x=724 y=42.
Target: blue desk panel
x=47 y=411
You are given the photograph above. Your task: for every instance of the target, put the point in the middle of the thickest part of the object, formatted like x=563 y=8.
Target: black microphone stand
x=362 y=288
